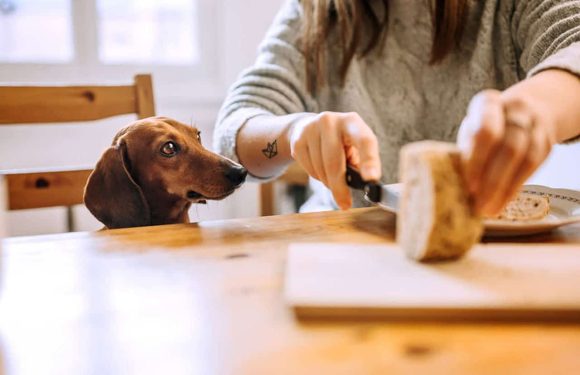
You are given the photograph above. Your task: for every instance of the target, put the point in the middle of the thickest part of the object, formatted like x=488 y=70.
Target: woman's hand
x=323 y=143
x=504 y=139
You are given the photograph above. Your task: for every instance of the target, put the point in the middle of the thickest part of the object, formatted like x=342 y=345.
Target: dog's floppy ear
x=111 y=193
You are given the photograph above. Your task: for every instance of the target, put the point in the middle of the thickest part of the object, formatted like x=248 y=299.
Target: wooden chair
x=294 y=176
x=23 y=189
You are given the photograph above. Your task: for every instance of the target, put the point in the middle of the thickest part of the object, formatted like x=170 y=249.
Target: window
x=95 y=41
x=36 y=31
x=147 y=31
x=158 y=32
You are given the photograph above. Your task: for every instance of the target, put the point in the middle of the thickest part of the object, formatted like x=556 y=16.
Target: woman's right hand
x=323 y=143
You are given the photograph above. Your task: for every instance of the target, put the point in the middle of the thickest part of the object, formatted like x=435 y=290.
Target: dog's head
x=156 y=160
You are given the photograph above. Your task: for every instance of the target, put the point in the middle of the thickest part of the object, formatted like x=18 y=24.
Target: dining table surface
x=207 y=298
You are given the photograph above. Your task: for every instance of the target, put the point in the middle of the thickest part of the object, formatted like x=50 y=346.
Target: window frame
x=175 y=83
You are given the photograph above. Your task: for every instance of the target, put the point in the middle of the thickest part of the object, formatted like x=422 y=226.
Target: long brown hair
x=351 y=17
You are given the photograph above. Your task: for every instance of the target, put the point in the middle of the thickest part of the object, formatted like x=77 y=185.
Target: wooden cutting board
x=493 y=282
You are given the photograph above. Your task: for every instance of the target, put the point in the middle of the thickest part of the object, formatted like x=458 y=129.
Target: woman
x=343 y=81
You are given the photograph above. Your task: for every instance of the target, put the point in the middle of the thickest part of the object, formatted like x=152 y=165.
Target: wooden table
x=206 y=299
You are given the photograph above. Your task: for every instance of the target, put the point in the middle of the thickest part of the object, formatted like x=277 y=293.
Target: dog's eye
x=169 y=149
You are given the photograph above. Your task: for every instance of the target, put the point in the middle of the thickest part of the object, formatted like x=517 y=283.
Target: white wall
x=561 y=169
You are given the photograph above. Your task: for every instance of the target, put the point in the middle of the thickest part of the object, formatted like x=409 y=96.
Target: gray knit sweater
x=398 y=94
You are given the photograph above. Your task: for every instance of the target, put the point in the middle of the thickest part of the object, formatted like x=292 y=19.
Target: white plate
x=564 y=209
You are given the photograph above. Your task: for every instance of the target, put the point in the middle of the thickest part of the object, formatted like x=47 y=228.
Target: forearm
x=263 y=143
x=557 y=93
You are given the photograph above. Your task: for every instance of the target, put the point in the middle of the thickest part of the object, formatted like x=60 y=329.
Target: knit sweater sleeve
x=275 y=84
x=547 y=35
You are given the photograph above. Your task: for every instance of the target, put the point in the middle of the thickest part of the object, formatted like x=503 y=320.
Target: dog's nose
x=236 y=175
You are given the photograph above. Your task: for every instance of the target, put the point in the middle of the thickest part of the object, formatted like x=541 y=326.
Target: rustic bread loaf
x=435 y=220
x=526 y=207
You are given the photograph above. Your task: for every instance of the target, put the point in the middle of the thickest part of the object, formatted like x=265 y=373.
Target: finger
x=538 y=151
x=315 y=154
x=300 y=154
x=334 y=160
x=352 y=156
x=485 y=123
x=503 y=167
x=358 y=134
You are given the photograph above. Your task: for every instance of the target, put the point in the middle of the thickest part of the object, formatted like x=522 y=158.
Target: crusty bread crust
x=435 y=220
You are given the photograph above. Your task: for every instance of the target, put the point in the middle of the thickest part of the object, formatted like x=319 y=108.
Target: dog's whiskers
x=191 y=122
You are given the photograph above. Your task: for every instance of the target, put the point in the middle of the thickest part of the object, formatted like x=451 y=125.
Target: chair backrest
x=56 y=104
x=294 y=176
x=50 y=104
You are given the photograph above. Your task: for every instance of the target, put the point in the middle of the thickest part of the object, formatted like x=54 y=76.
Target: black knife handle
x=354 y=179
x=372 y=190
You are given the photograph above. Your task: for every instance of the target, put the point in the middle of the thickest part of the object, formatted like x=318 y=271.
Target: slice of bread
x=435 y=219
x=526 y=207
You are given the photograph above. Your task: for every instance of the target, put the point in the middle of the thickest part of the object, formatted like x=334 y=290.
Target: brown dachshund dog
x=152 y=173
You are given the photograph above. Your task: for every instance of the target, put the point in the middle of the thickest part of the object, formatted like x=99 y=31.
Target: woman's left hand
x=503 y=139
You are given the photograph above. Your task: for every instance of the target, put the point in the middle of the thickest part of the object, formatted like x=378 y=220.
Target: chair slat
x=21 y=105
x=144 y=93
x=45 y=189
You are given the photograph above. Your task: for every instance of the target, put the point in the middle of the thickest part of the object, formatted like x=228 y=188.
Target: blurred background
x=193 y=48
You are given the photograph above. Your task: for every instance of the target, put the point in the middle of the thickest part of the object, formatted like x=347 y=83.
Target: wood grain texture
x=52 y=104
x=22 y=105
x=144 y=94
x=267 y=199
x=46 y=189
x=207 y=298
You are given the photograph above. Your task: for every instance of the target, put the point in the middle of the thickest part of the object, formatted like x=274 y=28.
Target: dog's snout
x=236 y=175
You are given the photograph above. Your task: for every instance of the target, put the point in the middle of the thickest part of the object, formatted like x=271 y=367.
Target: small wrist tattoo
x=271 y=150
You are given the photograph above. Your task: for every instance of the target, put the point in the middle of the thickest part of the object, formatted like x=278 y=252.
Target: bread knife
x=375 y=192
